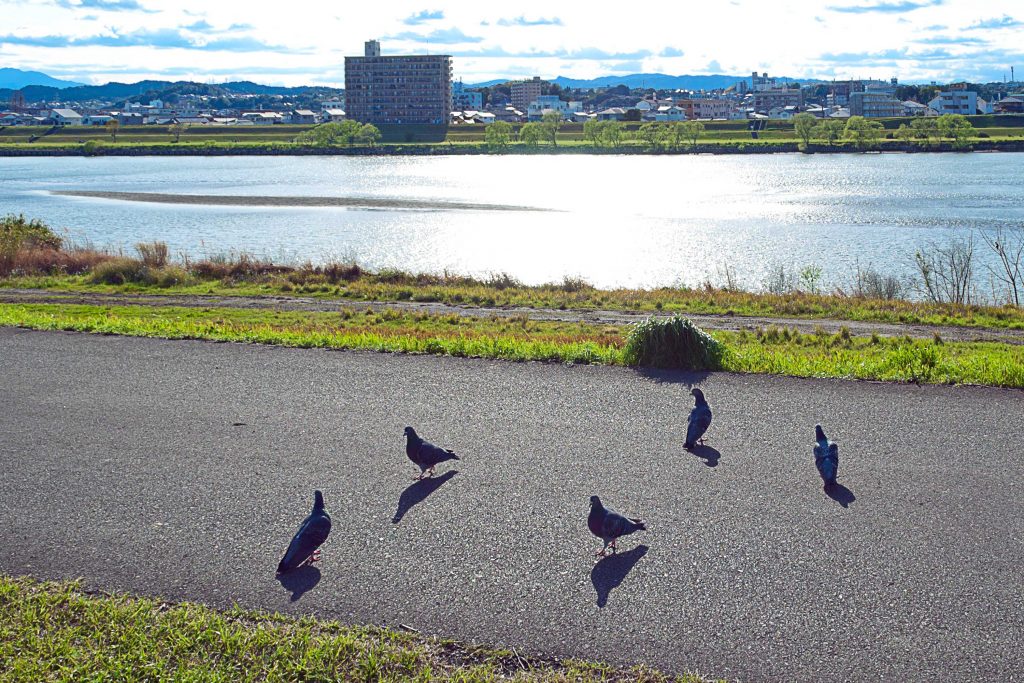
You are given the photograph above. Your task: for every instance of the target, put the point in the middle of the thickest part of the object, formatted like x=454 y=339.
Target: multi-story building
x=874 y=105
x=956 y=102
x=525 y=93
x=839 y=92
x=398 y=90
x=706 y=108
x=466 y=100
x=778 y=98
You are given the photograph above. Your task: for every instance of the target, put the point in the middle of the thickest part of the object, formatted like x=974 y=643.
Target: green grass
x=570 y=138
x=501 y=291
x=771 y=351
x=57 y=632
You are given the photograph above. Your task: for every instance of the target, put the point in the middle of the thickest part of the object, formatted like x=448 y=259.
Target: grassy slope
x=567 y=296
x=772 y=352
x=56 y=632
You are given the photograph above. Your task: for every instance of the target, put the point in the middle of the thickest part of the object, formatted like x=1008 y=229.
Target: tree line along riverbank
x=986 y=133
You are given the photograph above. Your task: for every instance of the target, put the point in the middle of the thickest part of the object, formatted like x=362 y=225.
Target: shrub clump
x=119 y=271
x=673 y=343
x=19 y=235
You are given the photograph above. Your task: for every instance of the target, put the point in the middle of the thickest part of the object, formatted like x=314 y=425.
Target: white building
x=546 y=103
x=963 y=102
x=66 y=117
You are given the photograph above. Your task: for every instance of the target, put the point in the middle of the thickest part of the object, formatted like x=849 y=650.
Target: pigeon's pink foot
x=315 y=557
x=600 y=553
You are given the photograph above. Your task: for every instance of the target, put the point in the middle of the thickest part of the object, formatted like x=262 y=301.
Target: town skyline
x=917 y=41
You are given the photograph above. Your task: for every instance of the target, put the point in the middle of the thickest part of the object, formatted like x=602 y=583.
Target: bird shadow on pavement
x=709 y=455
x=612 y=570
x=300 y=581
x=840 y=494
x=417 y=492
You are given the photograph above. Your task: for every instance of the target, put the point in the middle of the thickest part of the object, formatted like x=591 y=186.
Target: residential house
x=328 y=115
x=672 y=113
x=912 y=108
x=611 y=114
x=1014 y=104
x=302 y=116
x=65 y=117
x=546 y=103
x=96 y=119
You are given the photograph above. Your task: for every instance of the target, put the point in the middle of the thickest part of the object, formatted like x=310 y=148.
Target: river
x=612 y=220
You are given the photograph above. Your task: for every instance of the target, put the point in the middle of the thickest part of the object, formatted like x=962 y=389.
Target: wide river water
x=613 y=220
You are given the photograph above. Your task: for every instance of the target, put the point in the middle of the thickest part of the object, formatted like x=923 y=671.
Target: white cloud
x=799 y=38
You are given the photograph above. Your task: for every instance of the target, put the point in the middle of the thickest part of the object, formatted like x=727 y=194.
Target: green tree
x=829 y=130
x=804 y=125
x=957 y=128
x=611 y=133
x=592 y=130
x=905 y=133
x=864 y=134
x=532 y=133
x=653 y=135
x=926 y=129
x=177 y=129
x=112 y=126
x=692 y=130
x=368 y=135
x=498 y=135
x=551 y=122
x=330 y=134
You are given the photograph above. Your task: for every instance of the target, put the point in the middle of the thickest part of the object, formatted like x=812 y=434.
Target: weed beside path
x=57 y=631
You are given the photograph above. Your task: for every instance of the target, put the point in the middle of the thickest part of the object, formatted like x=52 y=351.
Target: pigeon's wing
x=833 y=451
x=431 y=455
x=819 y=452
x=614 y=524
x=700 y=420
x=310 y=536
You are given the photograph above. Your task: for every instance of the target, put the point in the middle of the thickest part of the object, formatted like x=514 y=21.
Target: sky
x=304 y=43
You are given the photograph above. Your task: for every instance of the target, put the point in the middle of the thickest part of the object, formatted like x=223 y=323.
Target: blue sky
x=96 y=41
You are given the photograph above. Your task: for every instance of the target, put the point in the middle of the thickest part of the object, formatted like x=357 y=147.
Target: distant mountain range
x=110 y=92
x=14 y=79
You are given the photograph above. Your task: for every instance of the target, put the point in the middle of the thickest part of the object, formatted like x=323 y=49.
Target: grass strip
x=772 y=351
x=569 y=294
x=57 y=632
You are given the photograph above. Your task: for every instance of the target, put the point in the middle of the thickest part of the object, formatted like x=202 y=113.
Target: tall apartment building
x=524 y=93
x=393 y=90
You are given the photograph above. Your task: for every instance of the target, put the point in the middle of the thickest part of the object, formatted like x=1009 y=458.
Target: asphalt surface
x=182 y=469
x=709 y=322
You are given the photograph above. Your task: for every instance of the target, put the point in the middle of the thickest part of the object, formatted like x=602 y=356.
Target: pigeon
x=826 y=457
x=425 y=454
x=608 y=525
x=305 y=546
x=699 y=421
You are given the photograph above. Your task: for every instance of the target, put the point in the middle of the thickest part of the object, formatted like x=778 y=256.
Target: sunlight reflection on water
x=616 y=220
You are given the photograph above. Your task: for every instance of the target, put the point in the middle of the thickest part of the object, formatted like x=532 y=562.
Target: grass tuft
x=672 y=343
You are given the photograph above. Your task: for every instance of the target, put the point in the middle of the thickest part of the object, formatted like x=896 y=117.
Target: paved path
x=710 y=322
x=181 y=469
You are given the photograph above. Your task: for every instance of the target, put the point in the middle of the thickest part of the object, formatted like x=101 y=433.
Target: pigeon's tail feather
x=639 y=524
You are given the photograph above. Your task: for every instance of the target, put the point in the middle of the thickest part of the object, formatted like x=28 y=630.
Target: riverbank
x=477 y=149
